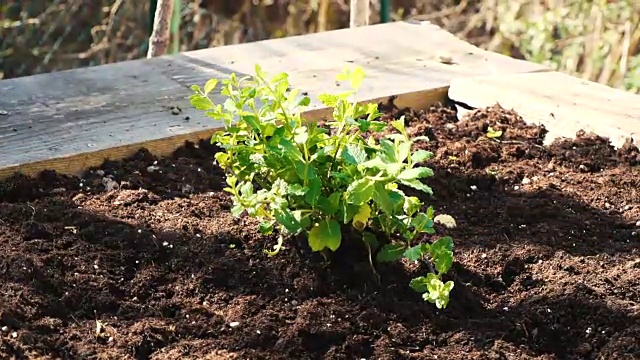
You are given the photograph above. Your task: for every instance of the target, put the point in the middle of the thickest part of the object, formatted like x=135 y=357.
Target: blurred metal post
x=385 y=11
x=358 y=13
x=175 y=27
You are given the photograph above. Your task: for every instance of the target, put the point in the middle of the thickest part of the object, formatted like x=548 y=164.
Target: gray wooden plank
x=83 y=111
x=564 y=104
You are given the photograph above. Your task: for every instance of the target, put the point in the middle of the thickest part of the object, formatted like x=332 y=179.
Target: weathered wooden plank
x=562 y=103
x=69 y=120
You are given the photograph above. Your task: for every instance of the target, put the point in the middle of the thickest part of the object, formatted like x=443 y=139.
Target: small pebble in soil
x=638 y=223
x=234 y=324
x=473 y=187
x=526 y=181
x=109 y=184
x=100 y=172
x=5 y=328
x=14 y=334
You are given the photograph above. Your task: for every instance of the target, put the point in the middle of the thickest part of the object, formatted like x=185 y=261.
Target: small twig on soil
x=517 y=142
x=33 y=215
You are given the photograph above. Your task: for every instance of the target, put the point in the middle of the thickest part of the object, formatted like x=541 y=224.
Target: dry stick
x=159 y=40
x=323 y=15
x=358 y=13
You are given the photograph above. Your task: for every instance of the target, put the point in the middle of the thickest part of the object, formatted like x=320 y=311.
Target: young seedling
x=301 y=179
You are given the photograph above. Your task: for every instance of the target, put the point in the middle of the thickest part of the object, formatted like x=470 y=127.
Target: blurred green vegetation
x=594 y=39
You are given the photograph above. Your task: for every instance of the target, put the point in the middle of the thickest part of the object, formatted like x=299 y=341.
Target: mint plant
x=302 y=179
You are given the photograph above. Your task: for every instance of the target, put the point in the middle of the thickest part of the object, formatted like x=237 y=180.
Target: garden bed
x=547 y=260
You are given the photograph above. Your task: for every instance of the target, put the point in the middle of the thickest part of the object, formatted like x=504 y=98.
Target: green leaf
x=378 y=126
x=415 y=173
x=325 y=234
x=328 y=100
x=415 y=253
x=418 y=185
x=200 y=102
x=360 y=191
x=436 y=291
x=404 y=148
x=411 y=205
x=313 y=192
x=329 y=206
x=445 y=243
x=422 y=223
x=398 y=199
x=278 y=77
x=354 y=154
x=259 y=72
x=230 y=105
x=305 y=171
x=301 y=135
x=387 y=151
x=376 y=162
x=252 y=121
x=361 y=218
x=370 y=240
x=237 y=210
x=421 y=156
x=287 y=220
x=266 y=228
x=441 y=252
x=297 y=190
x=210 y=85
x=493 y=134
x=291 y=150
x=303 y=218
x=419 y=284
x=430 y=212
x=398 y=124
x=382 y=198
x=304 y=101
x=391 y=252
x=355 y=77
x=348 y=211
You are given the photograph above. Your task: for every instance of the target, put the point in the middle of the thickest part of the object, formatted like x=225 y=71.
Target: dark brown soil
x=547 y=261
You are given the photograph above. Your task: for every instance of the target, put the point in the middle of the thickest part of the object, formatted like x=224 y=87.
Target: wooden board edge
x=562 y=109
x=79 y=163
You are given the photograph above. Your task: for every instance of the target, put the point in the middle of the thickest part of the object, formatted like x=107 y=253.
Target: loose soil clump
x=140 y=259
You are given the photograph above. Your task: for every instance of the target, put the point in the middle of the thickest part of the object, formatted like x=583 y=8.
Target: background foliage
x=595 y=39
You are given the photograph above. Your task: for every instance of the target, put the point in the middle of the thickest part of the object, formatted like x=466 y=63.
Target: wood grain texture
x=562 y=103
x=69 y=120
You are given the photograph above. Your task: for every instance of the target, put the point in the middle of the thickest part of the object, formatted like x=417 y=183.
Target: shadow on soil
x=65 y=266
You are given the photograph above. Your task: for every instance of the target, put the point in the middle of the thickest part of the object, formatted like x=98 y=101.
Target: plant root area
x=140 y=259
